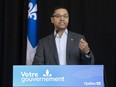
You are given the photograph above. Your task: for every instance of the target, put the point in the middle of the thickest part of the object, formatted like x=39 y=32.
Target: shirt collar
x=65 y=32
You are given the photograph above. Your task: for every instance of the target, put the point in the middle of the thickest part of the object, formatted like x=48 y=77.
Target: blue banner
x=58 y=76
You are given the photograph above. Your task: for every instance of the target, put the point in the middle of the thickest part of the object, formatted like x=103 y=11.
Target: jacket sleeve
x=39 y=55
x=87 y=58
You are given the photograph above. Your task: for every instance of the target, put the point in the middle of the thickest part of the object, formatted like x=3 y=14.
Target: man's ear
x=52 y=20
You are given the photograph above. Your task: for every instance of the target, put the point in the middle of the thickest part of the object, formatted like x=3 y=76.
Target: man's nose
x=61 y=17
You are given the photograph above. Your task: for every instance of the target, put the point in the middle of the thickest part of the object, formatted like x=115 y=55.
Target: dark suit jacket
x=46 y=53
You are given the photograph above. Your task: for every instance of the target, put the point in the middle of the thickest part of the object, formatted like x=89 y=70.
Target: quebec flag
x=32 y=35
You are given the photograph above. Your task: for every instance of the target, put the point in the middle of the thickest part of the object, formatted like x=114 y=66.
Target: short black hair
x=58 y=7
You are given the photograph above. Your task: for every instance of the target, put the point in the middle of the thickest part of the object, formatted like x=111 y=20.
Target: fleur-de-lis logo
x=47 y=74
x=32 y=12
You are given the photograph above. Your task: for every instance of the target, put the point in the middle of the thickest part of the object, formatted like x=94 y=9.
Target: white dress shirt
x=61 y=43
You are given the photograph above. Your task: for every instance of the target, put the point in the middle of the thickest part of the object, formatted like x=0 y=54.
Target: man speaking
x=63 y=47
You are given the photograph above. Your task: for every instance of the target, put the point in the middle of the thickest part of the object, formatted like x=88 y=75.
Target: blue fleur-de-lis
x=47 y=73
x=32 y=12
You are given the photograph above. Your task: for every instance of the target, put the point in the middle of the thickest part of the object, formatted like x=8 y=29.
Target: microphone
x=57 y=31
x=105 y=80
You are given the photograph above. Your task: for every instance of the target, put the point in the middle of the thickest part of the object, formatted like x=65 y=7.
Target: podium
x=58 y=76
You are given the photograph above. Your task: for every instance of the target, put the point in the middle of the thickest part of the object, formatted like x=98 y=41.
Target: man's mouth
x=62 y=23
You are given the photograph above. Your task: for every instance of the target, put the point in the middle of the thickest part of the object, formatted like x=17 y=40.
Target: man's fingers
x=82 y=41
x=82 y=46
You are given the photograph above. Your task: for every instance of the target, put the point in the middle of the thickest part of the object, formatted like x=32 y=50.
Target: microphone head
x=57 y=31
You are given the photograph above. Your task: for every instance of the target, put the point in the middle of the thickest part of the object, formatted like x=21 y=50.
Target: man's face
x=60 y=19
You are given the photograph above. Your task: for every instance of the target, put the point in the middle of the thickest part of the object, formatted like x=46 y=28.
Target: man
x=63 y=47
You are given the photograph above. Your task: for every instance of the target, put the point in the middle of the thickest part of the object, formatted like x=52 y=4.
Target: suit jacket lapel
x=53 y=47
x=70 y=43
